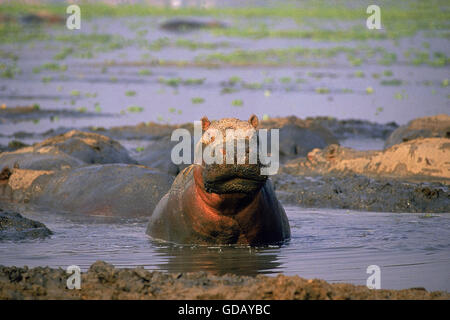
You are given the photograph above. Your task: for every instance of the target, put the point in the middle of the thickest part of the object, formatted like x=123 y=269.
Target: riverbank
x=103 y=281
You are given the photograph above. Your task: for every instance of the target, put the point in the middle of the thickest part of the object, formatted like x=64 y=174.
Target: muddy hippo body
x=221 y=203
x=189 y=214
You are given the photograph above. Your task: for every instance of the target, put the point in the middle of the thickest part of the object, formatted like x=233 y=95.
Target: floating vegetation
x=227 y=90
x=175 y=82
x=64 y=53
x=387 y=73
x=359 y=74
x=252 y=85
x=144 y=72
x=388 y=59
x=234 y=80
x=393 y=82
x=97 y=107
x=444 y=83
x=322 y=90
x=193 y=81
x=237 y=103
x=130 y=93
x=135 y=109
x=46 y=79
x=399 y=95
x=295 y=56
x=50 y=66
x=369 y=90
x=81 y=109
x=378 y=111
x=139 y=149
x=197 y=100
x=75 y=93
x=9 y=71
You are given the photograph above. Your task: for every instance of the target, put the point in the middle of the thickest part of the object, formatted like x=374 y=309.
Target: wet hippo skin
x=203 y=207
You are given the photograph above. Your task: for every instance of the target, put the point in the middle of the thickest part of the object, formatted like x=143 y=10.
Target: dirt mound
x=103 y=281
x=420 y=159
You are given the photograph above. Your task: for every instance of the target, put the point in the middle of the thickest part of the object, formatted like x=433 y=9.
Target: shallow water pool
x=412 y=250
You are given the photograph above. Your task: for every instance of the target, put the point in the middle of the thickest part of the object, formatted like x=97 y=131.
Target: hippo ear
x=253 y=121
x=205 y=123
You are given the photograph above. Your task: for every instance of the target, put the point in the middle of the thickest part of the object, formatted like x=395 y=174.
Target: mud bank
x=34 y=113
x=103 y=281
x=357 y=192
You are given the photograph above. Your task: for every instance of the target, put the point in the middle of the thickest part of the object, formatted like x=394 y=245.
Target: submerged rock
x=104 y=281
x=109 y=190
x=426 y=127
x=14 y=226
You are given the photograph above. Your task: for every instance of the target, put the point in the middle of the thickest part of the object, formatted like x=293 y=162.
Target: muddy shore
x=103 y=281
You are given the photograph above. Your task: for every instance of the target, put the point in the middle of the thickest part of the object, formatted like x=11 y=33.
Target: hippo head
x=234 y=146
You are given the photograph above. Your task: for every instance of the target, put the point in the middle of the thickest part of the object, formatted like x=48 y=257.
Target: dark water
x=412 y=250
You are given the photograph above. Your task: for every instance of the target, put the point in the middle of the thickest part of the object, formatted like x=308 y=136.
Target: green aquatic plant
x=227 y=90
x=197 y=100
x=139 y=149
x=369 y=90
x=237 y=103
x=50 y=66
x=135 y=109
x=393 y=82
x=144 y=72
x=75 y=93
x=322 y=90
x=64 y=53
x=97 y=107
x=194 y=81
x=130 y=93
x=234 y=80
x=359 y=74
x=252 y=85
x=46 y=79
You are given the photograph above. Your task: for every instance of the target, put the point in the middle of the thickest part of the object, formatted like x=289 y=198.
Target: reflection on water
x=412 y=250
x=220 y=260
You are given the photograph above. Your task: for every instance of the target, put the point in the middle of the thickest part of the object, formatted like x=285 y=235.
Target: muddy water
x=412 y=250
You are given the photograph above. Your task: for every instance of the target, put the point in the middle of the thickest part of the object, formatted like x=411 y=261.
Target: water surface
x=412 y=250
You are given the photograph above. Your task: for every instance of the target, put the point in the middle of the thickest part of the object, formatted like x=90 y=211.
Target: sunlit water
x=412 y=250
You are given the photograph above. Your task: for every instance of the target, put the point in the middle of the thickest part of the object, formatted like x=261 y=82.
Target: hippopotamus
x=221 y=203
